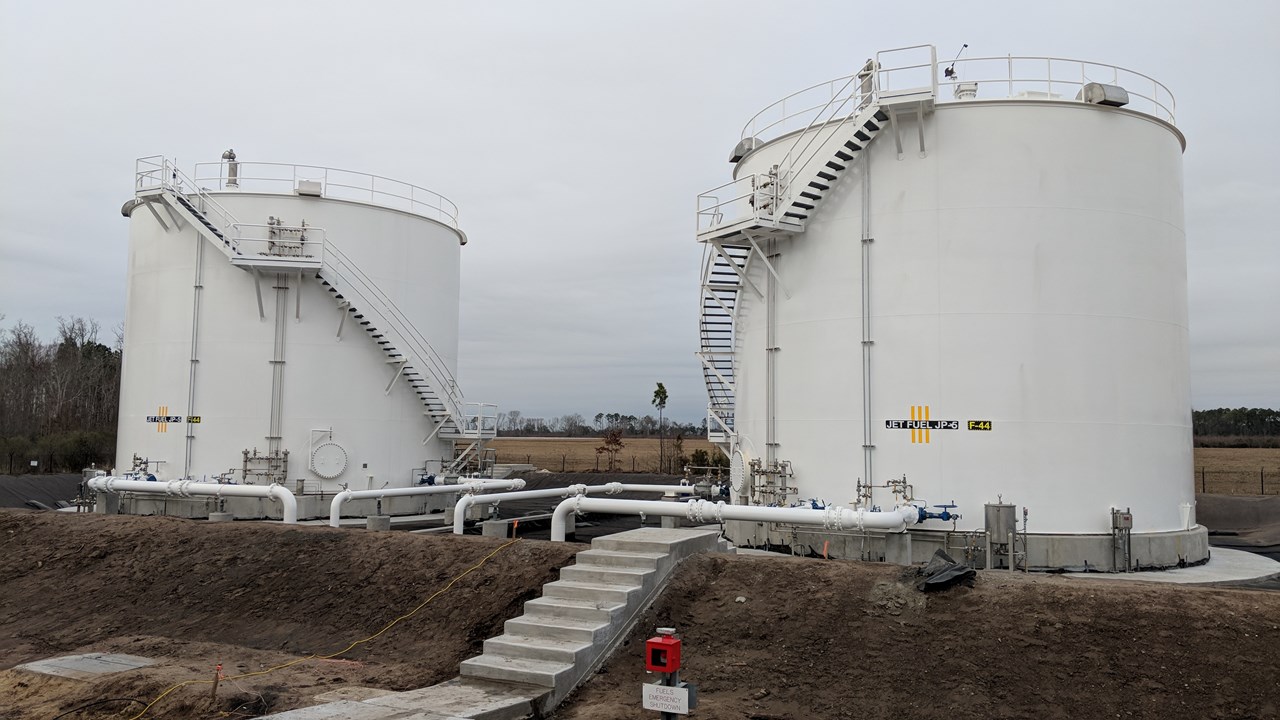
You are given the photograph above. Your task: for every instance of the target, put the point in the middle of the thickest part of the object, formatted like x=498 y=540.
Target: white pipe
x=831 y=518
x=613 y=488
x=189 y=488
x=477 y=486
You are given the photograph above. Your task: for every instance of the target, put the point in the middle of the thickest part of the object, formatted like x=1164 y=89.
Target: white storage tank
x=291 y=324
x=960 y=285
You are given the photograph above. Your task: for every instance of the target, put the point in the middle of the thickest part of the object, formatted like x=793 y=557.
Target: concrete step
x=557 y=628
x=590 y=591
x=543 y=673
x=577 y=608
x=628 y=577
x=614 y=558
x=537 y=648
x=659 y=541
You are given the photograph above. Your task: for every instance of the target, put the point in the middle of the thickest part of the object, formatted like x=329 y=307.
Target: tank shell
x=1029 y=271
x=335 y=388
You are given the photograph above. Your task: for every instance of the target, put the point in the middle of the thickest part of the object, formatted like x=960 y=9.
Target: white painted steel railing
x=370 y=300
x=335 y=184
x=275 y=240
x=157 y=172
x=1011 y=76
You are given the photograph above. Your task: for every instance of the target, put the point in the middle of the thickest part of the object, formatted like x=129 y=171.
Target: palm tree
x=660 y=402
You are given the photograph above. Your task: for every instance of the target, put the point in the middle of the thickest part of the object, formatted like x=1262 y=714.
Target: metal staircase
x=734 y=218
x=170 y=195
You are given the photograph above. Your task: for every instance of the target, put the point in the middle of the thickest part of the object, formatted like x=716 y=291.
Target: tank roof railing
x=335 y=183
x=1010 y=76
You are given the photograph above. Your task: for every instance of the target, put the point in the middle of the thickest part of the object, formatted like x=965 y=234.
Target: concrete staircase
x=567 y=633
x=559 y=641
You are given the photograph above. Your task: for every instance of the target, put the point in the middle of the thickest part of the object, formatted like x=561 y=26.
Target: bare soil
x=810 y=638
x=829 y=639
x=250 y=596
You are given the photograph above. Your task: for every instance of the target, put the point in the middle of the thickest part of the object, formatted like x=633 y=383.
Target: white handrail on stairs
x=157 y=172
x=368 y=299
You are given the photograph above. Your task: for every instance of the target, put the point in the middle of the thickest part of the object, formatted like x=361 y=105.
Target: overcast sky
x=575 y=136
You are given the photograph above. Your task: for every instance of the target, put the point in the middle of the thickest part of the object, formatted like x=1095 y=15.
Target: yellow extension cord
x=348 y=648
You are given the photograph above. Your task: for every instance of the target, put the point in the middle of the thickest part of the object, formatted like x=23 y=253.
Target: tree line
x=59 y=400
x=1236 y=427
x=516 y=423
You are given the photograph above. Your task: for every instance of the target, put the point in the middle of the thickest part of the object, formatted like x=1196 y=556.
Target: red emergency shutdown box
x=662 y=654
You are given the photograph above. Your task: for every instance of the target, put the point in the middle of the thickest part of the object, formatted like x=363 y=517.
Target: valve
x=946 y=515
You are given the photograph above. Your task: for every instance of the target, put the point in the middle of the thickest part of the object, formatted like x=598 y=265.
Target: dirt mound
x=248 y=595
x=817 y=639
x=809 y=638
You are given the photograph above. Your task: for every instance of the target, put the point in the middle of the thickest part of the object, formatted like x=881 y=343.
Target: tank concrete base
x=1084 y=553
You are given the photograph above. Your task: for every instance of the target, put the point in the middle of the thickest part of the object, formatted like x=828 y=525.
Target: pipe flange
x=720 y=512
x=613 y=488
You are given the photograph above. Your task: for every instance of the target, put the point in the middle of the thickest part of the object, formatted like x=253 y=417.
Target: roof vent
x=309 y=188
x=743 y=147
x=1099 y=94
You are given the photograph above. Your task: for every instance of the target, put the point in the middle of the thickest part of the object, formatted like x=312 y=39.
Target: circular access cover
x=737 y=471
x=328 y=460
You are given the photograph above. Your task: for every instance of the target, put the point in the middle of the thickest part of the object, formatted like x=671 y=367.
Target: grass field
x=1238 y=471
x=1231 y=471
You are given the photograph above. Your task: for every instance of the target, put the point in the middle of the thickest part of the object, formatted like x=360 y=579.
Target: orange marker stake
x=825 y=543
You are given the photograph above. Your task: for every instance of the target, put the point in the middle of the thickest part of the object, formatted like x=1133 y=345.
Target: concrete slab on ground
x=1225 y=565
x=357 y=693
x=83 y=667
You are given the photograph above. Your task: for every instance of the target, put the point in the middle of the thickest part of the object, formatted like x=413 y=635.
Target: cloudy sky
x=575 y=136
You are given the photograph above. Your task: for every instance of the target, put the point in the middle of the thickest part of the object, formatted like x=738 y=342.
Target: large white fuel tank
x=306 y=316
x=989 y=298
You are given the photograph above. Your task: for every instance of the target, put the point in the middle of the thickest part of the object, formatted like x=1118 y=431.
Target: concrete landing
x=1225 y=565
x=84 y=667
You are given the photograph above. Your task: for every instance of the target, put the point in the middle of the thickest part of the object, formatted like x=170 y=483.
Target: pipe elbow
x=287 y=500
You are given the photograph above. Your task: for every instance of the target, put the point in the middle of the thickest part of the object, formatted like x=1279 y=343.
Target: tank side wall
x=343 y=384
x=1030 y=271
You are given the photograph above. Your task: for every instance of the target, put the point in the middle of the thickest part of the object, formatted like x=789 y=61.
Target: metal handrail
x=1163 y=104
x=449 y=393
x=416 y=200
x=751 y=129
x=711 y=209
x=156 y=172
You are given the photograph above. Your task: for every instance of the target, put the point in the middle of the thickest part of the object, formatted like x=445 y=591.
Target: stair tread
x=541 y=642
x=602 y=552
x=568 y=623
x=581 y=603
x=545 y=666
